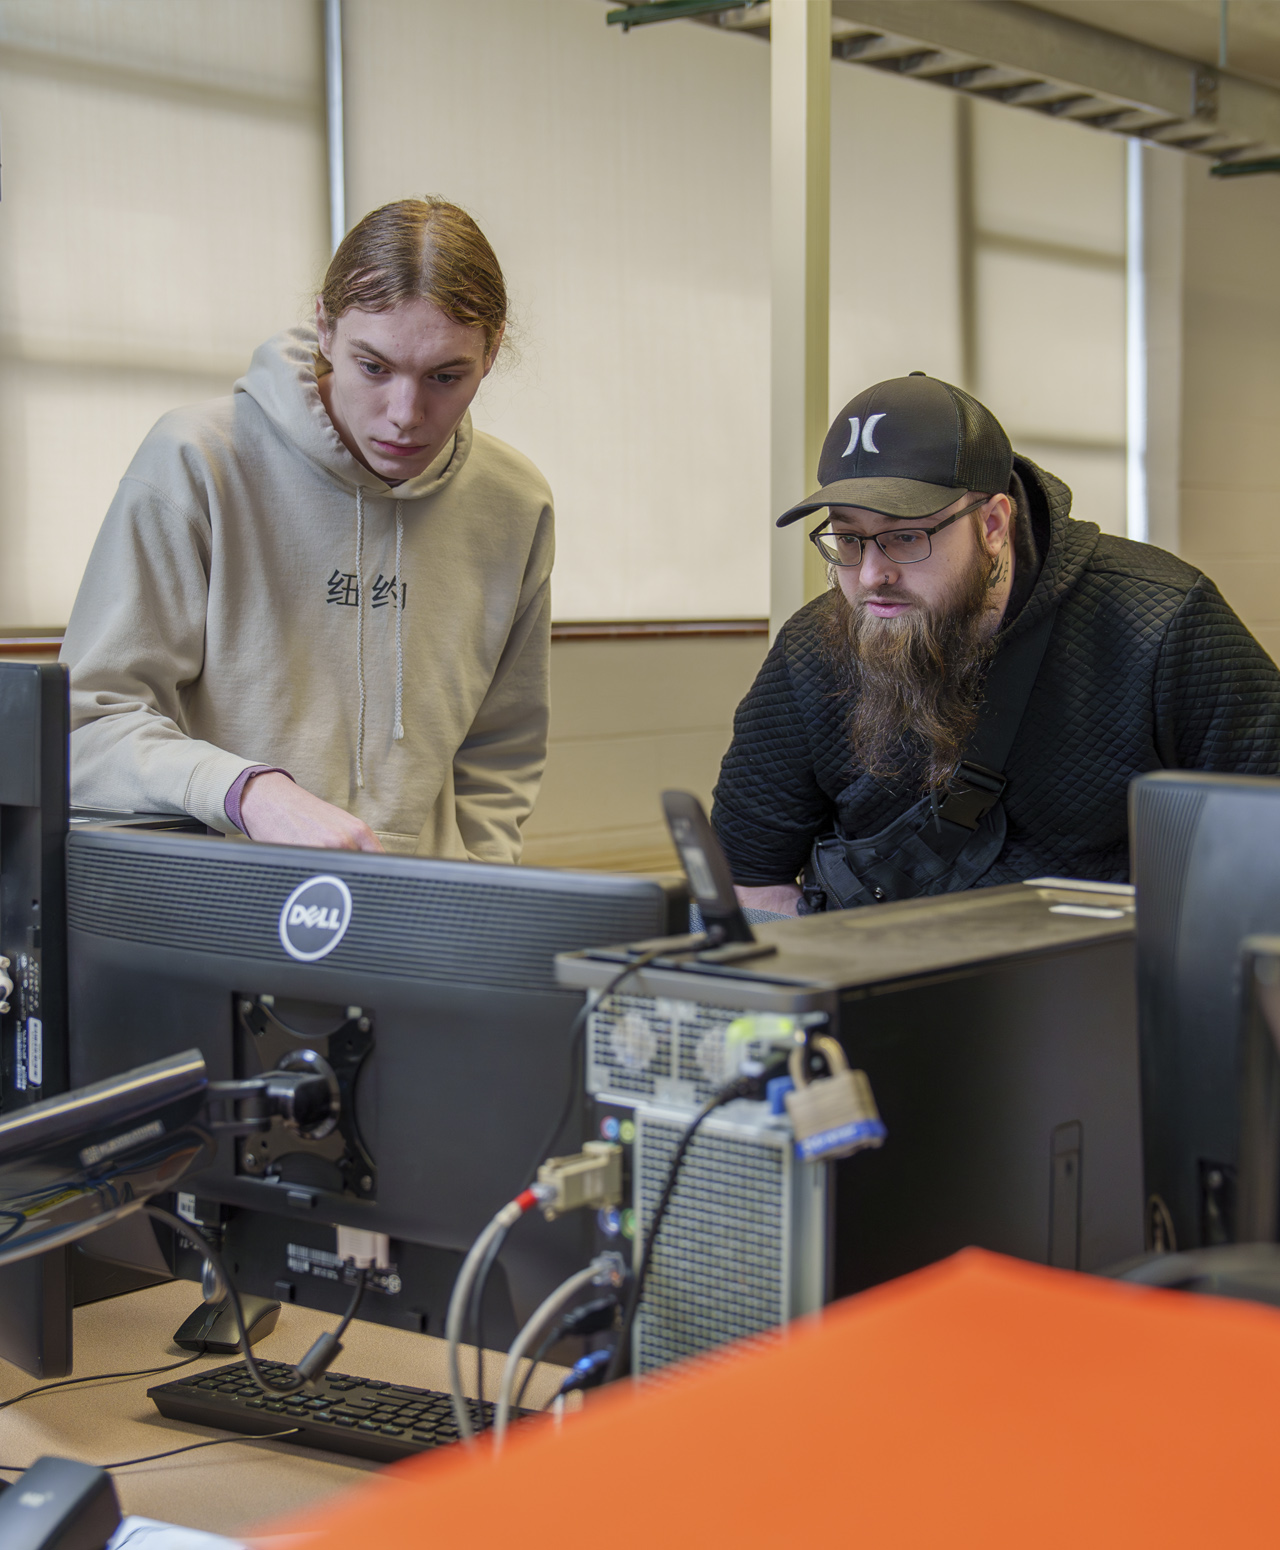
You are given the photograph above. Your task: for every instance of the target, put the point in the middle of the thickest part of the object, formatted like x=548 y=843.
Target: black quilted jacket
x=1147 y=668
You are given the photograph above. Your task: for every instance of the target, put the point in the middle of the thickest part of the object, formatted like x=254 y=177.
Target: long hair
x=413 y=248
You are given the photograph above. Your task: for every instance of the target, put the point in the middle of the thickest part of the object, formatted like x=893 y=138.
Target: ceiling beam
x=1024 y=57
x=1139 y=84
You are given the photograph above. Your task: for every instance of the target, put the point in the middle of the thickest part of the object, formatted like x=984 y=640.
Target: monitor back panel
x=33 y=829
x=35 y=1296
x=466 y=1057
x=1204 y=849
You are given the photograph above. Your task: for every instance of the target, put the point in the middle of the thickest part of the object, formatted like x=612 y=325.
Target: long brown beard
x=912 y=684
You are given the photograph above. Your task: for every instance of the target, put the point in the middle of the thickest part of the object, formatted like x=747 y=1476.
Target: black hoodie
x=1147 y=668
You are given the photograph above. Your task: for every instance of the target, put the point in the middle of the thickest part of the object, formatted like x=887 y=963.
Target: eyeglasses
x=904 y=546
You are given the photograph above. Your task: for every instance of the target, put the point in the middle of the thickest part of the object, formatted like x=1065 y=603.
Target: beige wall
x=1230 y=516
x=630 y=718
x=163 y=213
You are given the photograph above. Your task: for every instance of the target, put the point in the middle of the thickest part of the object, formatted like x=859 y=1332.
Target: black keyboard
x=381 y=1421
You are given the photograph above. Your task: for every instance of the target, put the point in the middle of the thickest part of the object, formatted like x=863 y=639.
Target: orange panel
x=982 y=1402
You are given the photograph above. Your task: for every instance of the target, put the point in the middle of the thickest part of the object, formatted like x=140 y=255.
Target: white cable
x=607 y=1267
x=547 y=1310
x=501 y=1224
x=360 y=632
x=397 y=733
x=505 y=1219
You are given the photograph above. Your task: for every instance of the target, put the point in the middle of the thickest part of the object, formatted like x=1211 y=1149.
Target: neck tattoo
x=999 y=569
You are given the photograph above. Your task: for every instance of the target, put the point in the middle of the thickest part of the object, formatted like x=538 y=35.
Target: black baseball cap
x=909 y=447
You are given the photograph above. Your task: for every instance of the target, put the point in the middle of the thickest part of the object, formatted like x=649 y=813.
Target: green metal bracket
x=1242 y=169
x=629 y=16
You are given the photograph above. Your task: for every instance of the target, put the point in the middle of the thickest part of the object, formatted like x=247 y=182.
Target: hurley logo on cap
x=866 y=436
x=907 y=448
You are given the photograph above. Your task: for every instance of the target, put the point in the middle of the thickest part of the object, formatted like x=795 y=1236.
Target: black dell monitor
x=1206 y=863
x=35 y=1296
x=427 y=988
x=33 y=831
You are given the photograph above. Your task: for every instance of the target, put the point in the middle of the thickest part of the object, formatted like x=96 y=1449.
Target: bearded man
x=968 y=703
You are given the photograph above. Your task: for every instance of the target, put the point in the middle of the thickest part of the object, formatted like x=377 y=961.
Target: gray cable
x=501 y=1224
x=605 y=1268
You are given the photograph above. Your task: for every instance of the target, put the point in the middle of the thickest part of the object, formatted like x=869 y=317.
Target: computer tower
x=998 y=1029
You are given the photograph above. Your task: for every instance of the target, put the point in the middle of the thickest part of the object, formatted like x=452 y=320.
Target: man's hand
x=277 y=811
x=781 y=898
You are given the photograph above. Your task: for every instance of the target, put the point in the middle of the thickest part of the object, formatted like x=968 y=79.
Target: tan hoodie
x=243 y=605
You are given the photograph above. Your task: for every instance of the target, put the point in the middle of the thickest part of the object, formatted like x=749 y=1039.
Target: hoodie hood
x=1066 y=546
x=281 y=380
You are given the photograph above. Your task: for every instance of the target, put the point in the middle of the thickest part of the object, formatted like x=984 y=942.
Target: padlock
x=835 y=1115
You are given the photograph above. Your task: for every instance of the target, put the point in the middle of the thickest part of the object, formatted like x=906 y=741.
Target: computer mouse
x=212 y=1327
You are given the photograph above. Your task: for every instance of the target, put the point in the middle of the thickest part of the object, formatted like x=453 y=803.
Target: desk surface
x=226 y=1489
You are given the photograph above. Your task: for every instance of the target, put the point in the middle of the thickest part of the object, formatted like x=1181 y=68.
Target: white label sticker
x=89 y=1155
x=35 y=1051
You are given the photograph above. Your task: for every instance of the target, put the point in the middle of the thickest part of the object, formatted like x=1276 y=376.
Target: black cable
x=587 y=1318
x=646 y=1259
x=214 y=1442
x=741 y=1087
x=353 y=1307
x=539 y=1356
x=475 y=1313
x=576 y=1032
x=150 y=1458
x=301 y=1378
x=99 y=1377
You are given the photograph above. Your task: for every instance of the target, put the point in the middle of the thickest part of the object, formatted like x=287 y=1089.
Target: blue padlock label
x=850 y=1137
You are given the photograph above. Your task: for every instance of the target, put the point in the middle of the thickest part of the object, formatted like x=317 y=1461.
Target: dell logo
x=865 y=432
x=315 y=915
x=315 y=918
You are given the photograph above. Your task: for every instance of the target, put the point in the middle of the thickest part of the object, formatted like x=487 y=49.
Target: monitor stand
x=35 y=1315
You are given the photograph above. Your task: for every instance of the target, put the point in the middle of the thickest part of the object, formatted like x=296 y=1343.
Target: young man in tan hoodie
x=318 y=611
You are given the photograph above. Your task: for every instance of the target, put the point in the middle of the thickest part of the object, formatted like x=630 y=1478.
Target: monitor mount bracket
x=338 y=1057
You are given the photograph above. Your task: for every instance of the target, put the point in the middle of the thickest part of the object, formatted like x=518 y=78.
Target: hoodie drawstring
x=360 y=632
x=398 y=734
x=398 y=602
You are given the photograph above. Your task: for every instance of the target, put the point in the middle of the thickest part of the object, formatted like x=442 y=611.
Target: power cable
x=99 y=1377
x=601 y=1270
x=475 y=1306
x=588 y=1318
x=748 y=1086
x=150 y=1458
x=317 y=1359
